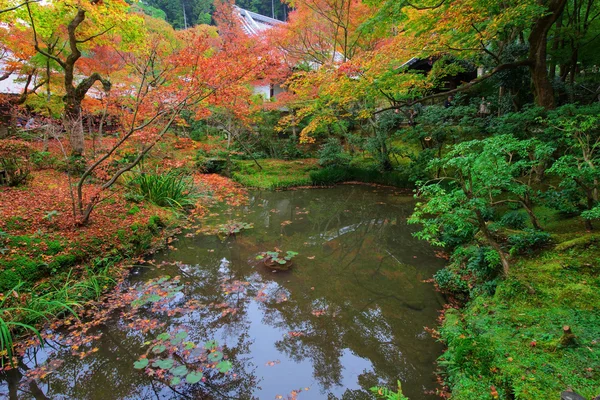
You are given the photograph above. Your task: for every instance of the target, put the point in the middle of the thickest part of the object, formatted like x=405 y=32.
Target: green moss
x=511 y=339
x=20 y=268
x=275 y=174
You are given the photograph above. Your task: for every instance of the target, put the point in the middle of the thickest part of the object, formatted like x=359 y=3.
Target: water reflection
x=348 y=316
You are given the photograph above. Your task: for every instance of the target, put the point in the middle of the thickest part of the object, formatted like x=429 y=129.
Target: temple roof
x=255 y=24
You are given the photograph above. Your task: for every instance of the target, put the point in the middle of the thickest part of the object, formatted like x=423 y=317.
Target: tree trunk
x=74 y=125
x=538 y=42
x=493 y=243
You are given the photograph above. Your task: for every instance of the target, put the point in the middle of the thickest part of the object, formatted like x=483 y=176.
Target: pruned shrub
x=14 y=162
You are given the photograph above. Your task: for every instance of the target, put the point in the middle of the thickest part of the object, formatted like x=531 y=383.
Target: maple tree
x=87 y=23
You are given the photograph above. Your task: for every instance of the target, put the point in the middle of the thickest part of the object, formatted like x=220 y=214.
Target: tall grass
x=169 y=189
x=20 y=318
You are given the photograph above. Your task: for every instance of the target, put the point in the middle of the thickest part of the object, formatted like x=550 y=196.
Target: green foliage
x=16 y=319
x=387 y=394
x=232 y=228
x=332 y=175
x=275 y=174
x=511 y=339
x=211 y=165
x=473 y=270
x=332 y=154
x=14 y=162
x=528 y=241
x=578 y=166
x=277 y=257
x=169 y=189
x=514 y=220
x=44 y=160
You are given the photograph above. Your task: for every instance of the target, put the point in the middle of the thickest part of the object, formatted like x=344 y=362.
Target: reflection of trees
x=376 y=296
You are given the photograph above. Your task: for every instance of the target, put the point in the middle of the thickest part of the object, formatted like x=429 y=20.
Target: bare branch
x=26 y=3
x=499 y=68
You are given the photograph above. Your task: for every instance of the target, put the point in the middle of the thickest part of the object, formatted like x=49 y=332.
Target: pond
x=350 y=313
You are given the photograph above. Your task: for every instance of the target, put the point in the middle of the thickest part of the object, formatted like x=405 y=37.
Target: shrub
x=329 y=176
x=331 y=154
x=212 y=165
x=514 y=220
x=43 y=160
x=166 y=190
x=472 y=271
x=528 y=241
x=14 y=162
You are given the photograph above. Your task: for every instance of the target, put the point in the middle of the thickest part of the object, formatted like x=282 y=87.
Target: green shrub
x=473 y=270
x=43 y=160
x=212 y=165
x=14 y=162
x=166 y=190
x=514 y=220
x=134 y=197
x=528 y=241
x=332 y=154
x=155 y=224
x=329 y=176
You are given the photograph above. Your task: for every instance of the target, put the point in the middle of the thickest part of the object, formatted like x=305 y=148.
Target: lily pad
x=224 y=366
x=141 y=363
x=158 y=349
x=194 y=377
x=164 y=364
x=179 y=371
x=211 y=344
x=215 y=356
x=179 y=337
x=163 y=336
x=175 y=381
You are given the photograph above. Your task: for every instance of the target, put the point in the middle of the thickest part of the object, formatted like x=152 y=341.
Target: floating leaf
x=153 y=298
x=179 y=337
x=158 y=349
x=163 y=336
x=175 y=381
x=194 y=377
x=211 y=344
x=224 y=366
x=189 y=345
x=179 y=371
x=164 y=364
x=215 y=356
x=141 y=363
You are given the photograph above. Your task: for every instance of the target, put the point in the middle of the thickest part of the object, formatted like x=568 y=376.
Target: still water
x=350 y=313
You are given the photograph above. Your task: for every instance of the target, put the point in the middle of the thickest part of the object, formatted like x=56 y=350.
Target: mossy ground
x=275 y=174
x=511 y=341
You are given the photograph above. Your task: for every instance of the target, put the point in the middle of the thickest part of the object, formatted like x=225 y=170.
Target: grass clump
x=169 y=189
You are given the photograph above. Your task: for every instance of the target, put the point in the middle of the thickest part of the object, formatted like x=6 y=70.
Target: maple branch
x=6 y=75
x=95 y=36
x=19 y=6
x=499 y=68
x=37 y=44
x=421 y=8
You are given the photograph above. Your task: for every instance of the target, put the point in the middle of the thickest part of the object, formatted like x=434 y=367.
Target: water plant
x=387 y=394
x=230 y=229
x=277 y=259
